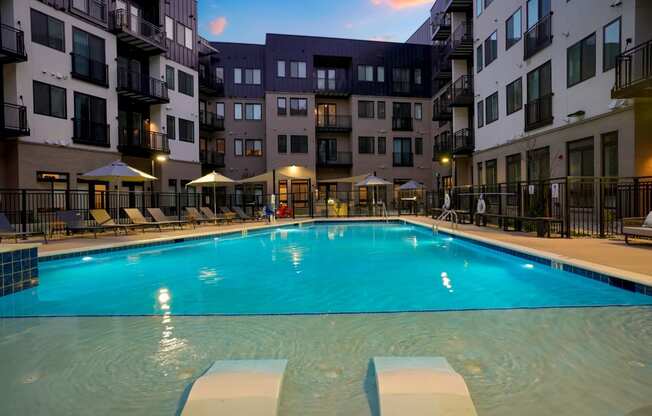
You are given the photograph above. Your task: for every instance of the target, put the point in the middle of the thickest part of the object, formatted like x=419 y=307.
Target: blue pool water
x=320 y=268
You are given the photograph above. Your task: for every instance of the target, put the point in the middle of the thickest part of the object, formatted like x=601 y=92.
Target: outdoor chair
x=136 y=217
x=104 y=220
x=243 y=215
x=163 y=219
x=196 y=217
x=208 y=213
x=637 y=227
x=229 y=214
x=75 y=224
x=8 y=231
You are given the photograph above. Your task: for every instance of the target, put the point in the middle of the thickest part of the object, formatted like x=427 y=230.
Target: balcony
x=403 y=159
x=210 y=121
x=90 y=133
x=441 y=27
x=402 y=123
x=209 y=84
x=461 y=42
x=93 y=9
x=634 y=73
x=12 y=45
x=143 y=144
x=334 y=159
x=13 y=121
x=441 y=110
x=463 y=142
x=332 y=87
x=142 y=88
x=442 y=69
x=538 y=113
x=88 y=70
x=443 y=147
x=538 y=37
x=332 y=123
x=211 y=158
x=458 y=6
x=462 y=92
x=137 y=32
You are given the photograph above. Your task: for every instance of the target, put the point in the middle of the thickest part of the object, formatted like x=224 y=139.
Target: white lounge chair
x=420 y=386
x=637 y=227
x=237 y=387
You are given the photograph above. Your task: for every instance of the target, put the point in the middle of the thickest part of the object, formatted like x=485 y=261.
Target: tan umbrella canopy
x=212 y=179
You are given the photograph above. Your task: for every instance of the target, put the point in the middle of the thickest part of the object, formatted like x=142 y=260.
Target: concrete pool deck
x=608 y=256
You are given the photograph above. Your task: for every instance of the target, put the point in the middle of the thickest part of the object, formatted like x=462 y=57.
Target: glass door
x=326 y=115
x=327 y=150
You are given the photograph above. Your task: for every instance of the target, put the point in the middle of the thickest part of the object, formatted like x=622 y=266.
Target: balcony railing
x=463 y=142
x=211 y=158
x=142 y=142
x=402 y=123
x=142 y=87
x=461 y=41
x=90 y=70
x=335 y=159
x=634 y=72
x=90 y=133
x=442 y=68
x=538 y=113
x=403 y=159
x=462 y=92
x=95 y=9
x=12 y=44
x=138 y=32
x=339 y=86
x=441 y=27
x=211 y=85
x=443 y=146
x=333 y=123
x=458 y=6
x=13 y=120
x=210 y=121
x=57 y=4
x=538 y=37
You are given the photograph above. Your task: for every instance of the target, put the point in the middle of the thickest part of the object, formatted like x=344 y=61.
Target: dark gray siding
x=185 y=12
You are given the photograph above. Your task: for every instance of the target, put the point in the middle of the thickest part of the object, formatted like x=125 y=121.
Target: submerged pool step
x=421 y=386
x=237 y=387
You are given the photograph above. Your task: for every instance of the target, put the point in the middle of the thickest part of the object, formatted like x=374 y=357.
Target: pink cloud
x=400 y=4
x=218 y=25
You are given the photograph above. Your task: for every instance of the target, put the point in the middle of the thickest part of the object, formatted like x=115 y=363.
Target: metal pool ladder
x=450 y=215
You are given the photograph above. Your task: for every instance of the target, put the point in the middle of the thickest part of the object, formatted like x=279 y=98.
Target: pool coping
x=631 y=281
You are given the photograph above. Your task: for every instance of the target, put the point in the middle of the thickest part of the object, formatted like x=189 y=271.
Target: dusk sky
x=249 y=20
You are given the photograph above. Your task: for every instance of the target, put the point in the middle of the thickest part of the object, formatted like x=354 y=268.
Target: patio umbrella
x=411 y=185
x=213 y=179
x=118 y=171
x=372 y=181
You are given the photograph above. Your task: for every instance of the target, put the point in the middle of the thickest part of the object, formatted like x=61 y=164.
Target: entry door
x=300 y=195
x=327 y=150
x=326 y=115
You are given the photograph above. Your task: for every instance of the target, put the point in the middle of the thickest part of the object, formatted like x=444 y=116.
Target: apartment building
x=543 y=81
x=314 y=110
x=86 y=82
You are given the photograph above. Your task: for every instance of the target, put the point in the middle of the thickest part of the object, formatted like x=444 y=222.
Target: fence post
x=601 y=207
x=23 y=211
x=567 y=215
x=636 y=199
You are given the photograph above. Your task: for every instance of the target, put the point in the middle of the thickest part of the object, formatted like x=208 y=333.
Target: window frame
x=169 y=34
x=282 y=145
x=187 y=123
x=581 y=46
x=418 y=115
x=181 y=83
x=480 y=111
x=299 y=149
x=619 y=20
x=507 y=96
x=488 y=120
x=368 y=140
x=487 y=50
x=253 y=106
x=366 y=70
x=298 y=112
x=381 y=115
x=366 y=102
x=508 y=45
x=50 y=87
x=237 y=142
x=254 y=152
x=299 y=65
x=48 y=35
x=281 y=110
x=281 y=64
x=173 y=134
x=171 y=84
x=237 y=106
x=381 y=145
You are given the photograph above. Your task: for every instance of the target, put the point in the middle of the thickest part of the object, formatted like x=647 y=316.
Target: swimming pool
x=126 y=332
x=309 y=269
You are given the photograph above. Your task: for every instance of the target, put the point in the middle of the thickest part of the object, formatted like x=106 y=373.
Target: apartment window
x=365 y=73
x=219 y=74
x=299 y=144
x=281 y=106
x=169 y=77
x=380 y=74
x=89 y=57
x=418 y=111
x=491 y=172
x=491 y=108
x=480 y=114
x=581 y=61
x=253 y=111
x=282 y=143
x=186 y=84
x=169 y=27
x=513 y=29
x=219 y=110
x=280 y=69
x=539 y=97
x=171 y=128
x=238 y=148
x=90 y=125
x=491 y=49
x=538 y=164
x=418 y=145
x=479 y=6
x=49 y=100
x=365 y=109
x=186 y=131
x=536 y=10
x=580 y=157
x=297 y=69
x=184 y=36
x=610 y=154
x=298 y=107
x=253 y=147
x=382 y=145
x=252 y=76
x=611 y=44
x=48 y=31
x=237 y=75
x=514 y=96
x=479 y=58
x=513 y=168
x=401 y=77
x=237 y=111
x=365 y=145
x=381 y=109
x=417 y=76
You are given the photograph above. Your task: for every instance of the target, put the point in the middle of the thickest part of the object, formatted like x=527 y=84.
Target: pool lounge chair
x=230 y=214
x=243 y=215
x=420 y=386
x=104 y=220
x=75 y=224
x=637 y=227
x=136 y=217
x=8 y=231
x=161 y=218
x=196 y=217
x=237 y=387
x=208 y=213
